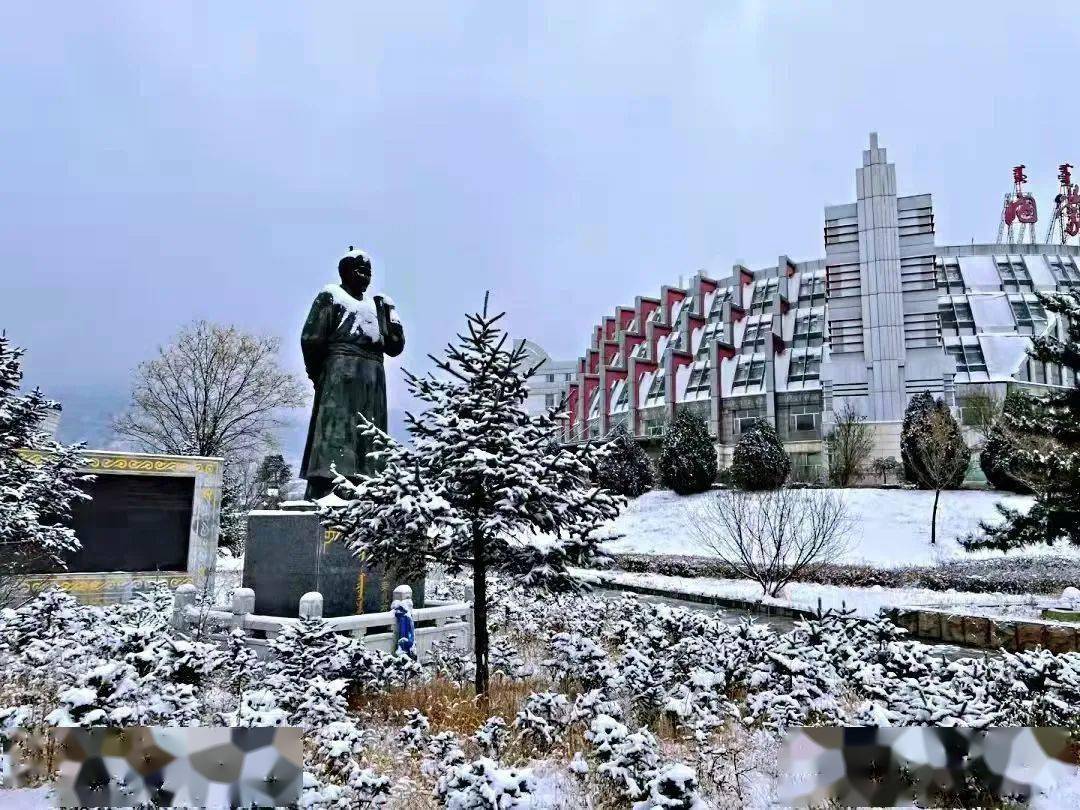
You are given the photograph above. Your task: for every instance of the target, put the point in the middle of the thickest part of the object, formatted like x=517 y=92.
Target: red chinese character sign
x=1066 y=221
x=1019 y=213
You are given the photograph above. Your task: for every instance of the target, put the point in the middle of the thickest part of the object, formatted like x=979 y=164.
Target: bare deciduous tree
x=214 y=391
x=773 y=537
x=850 y=443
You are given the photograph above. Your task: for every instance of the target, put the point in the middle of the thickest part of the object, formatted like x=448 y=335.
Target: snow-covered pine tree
x=481 y=482
x=626 y=469
x=996 y=458
x=1049 y=441
x=687 y=462
x=759 y=461
x=918 y=406
x=935 y=453
x=39 y=477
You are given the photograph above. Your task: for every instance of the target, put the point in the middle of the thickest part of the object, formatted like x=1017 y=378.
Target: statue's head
x=355 y=271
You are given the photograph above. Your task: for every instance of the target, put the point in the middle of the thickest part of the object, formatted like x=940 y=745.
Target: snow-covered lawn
x=891 y=526
x=864 y=601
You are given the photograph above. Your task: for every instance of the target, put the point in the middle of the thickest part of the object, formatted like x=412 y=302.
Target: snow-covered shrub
x=317 y=703
x=759 y=461
x=52 y=615
x=239 y=662
x=687 y=462
x=543 y=719
x=491 y=738
x=604 y=734
x=590 y=705
x=447 y=659
x=443 y=752
x=257 y=707
x=578 y=659
x=310 y=647
x=505 y=660
x=675 y=787
x=632 y=764
x=483 y=785
x=104 y=696
x=626 y=468
x=414 y=734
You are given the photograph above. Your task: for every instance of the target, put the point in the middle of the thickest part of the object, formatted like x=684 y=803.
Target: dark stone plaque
x=134 y=523
x=289 y=553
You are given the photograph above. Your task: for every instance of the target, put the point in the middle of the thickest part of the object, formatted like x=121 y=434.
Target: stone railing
x=380 y=631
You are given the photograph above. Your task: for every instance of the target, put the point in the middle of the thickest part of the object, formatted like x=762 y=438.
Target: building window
x=948 y=276
x=550 y=378
x=623 y=400
x=764 y=293
x=750 y=372
x=812 y=289
x=1014 y=274
x=656 y=390
x=805 y=365
x=808 y=330
x=719 y=298
x=1065 y=271
x=699 y=378
x=743 y=418
x=755 y=333
x=956 y=315
x=802 y=422
x=968 y=354
x=549 y=400
x=1029 y=313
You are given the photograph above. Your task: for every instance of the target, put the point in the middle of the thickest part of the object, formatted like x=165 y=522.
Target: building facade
x=549 y=382
x=885 y=314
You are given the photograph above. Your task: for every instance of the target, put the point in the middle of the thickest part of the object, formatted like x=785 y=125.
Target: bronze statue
x=345 y=337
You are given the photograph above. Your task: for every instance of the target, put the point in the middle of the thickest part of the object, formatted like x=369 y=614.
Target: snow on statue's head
x=355 y=271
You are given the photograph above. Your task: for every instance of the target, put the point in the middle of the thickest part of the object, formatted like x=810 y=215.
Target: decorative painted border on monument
x=205 y=519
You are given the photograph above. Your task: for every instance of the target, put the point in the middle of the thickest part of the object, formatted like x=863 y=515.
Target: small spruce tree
x=480 y=483
x=626 y=469
x=687 y=462
x=759 y=461
x=1047 y=439
x=39 y=479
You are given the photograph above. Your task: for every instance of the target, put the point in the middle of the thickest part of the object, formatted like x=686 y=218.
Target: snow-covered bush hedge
x=759 y=461
x=626 y=469
x=687 y=462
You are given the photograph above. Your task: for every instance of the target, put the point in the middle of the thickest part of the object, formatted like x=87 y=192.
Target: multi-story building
x=886 y=313
x=548 y=382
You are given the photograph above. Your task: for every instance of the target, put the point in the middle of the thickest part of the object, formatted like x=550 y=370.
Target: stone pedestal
x=289 y=553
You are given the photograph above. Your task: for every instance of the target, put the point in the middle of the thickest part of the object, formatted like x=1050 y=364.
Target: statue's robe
x=343 y=342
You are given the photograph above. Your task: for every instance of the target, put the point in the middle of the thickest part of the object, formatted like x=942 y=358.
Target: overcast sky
x=169 y=161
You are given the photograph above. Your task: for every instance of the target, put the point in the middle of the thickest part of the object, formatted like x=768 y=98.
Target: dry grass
x=448 y=706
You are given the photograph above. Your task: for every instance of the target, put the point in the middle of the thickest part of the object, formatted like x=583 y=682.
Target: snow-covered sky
x=166 y=161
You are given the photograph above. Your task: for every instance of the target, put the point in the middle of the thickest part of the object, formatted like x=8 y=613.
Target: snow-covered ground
x=891 y=527
x=26 y=799
x=864 y=601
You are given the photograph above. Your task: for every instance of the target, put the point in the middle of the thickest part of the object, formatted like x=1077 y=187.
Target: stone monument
x=344 y=339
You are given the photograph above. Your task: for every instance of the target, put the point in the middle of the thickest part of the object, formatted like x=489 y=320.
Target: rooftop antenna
x=1018 y=213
